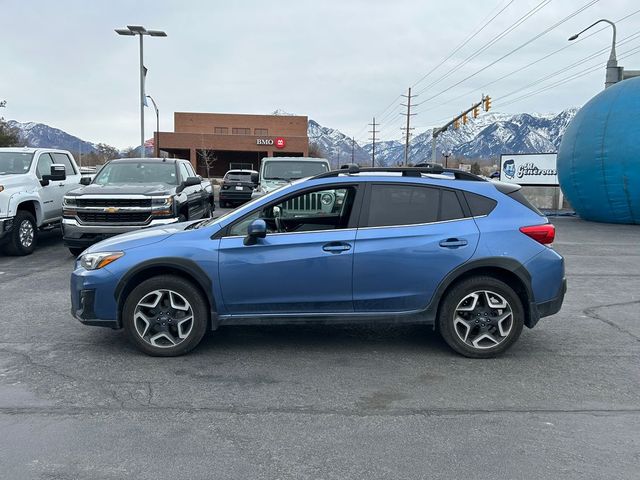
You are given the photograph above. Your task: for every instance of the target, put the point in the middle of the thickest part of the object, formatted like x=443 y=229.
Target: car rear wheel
x=24 y=235
x=481 y=317
x=165 y=316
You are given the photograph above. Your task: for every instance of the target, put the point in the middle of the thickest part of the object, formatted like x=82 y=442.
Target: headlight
x=69 y=202
x=326 y=198
x=162 y=201
x=1 y=188
x=95 y=261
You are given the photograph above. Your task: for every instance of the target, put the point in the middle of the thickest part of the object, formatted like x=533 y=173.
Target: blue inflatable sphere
x=599 y=156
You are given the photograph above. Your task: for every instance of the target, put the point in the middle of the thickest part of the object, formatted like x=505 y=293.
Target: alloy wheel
x=483 y=319
x=26 y=233
x=163 y=318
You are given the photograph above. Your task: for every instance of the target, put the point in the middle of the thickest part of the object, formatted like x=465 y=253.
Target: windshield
x=290 y=170
x=15 y=162
x=137 y=172
x=238 y=177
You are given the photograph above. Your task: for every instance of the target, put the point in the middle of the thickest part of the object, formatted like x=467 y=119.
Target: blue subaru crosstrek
x=440 y=247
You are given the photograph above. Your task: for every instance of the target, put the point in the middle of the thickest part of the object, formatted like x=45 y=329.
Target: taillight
x=545 y=234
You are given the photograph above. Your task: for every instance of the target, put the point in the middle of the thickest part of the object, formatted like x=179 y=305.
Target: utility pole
x=408 y=128
x=373 y=148
x=353 y=150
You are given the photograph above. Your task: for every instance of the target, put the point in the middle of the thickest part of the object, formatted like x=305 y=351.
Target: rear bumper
x=235 y=196
x=550 y=307
x=77 y=235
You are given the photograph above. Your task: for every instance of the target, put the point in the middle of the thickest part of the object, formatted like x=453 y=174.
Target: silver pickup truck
x=133 y=193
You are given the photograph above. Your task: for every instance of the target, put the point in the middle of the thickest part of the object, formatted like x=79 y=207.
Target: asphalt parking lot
x=333 y=402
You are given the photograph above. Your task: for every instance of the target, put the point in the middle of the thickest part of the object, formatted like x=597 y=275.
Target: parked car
x=133 y=193
x=278 y=171
x=237 y=187
x=439 y=247
x=33 y=182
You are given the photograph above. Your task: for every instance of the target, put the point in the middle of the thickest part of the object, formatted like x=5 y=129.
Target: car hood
x=270 y=185
x=124 y=189
x=17 y=180
x=138 y=238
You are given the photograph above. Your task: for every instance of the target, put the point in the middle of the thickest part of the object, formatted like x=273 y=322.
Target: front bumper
x=77 y=235
x=6 y=226
x=92 y=297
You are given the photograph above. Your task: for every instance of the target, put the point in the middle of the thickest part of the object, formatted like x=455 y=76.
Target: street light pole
x=613 y=71
x=139 y=30
x=156 y=142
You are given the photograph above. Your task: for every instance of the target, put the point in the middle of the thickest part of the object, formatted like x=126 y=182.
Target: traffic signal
x=487 y=103
x=456 y=123
x=464 y=119
x=476 y=112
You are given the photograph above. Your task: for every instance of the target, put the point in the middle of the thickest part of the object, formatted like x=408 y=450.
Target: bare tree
x=207 y=156
x=315 y=150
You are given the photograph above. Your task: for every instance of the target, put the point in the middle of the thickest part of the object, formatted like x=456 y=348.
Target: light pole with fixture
x=614 y=73
x=139 y=30
x=156 y=141
x=446 y=156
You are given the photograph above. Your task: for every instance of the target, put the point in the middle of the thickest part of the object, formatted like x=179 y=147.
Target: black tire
x=186 y=289
x=223 y=204
x=19 y=244
x=480 y=323
x=76 y=251
x=182 y=218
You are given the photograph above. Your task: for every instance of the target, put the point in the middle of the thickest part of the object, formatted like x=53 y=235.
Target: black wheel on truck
x=24 y=235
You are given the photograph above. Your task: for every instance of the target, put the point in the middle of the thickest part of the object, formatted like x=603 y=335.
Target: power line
x=544 y=32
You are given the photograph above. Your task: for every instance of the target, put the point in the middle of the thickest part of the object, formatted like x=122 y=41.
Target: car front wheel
x=165 y=316
x=481 y=317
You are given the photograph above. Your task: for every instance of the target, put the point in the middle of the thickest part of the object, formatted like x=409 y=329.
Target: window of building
x=241 y=131
x=402 y=205
x=221 y=130
x=63 y=158
x=261 y=131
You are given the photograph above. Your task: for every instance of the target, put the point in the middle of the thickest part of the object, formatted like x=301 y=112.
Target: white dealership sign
x=529 y=169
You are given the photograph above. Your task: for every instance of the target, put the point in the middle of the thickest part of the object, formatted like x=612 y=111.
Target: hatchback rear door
x=410 y=237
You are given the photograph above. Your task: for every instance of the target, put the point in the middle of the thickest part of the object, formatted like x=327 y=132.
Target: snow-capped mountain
x=486 y=137
x=336 y=146
x=41 y=135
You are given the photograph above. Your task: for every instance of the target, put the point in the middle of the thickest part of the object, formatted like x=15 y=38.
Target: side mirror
x=188 y=182
x=85 y=181
x=58 y=173
x=255 y=178
x=257 y=229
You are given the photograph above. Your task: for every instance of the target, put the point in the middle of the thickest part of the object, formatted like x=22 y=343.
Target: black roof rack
x=428 y=168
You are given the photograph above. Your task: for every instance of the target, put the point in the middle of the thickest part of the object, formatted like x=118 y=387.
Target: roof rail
x=428 y=168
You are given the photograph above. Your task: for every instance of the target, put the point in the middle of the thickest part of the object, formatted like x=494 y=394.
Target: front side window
x=184 y=174
x=12 y=163
x=63 y=159
x=325 y=209
x=391 y=205
x=44 y=165
x=137 y=172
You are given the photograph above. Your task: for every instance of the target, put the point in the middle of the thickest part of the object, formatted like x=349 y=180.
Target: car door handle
x=453 y=243
x=336 y=247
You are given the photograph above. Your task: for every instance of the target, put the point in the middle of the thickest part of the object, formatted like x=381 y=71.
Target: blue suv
x=428 y=245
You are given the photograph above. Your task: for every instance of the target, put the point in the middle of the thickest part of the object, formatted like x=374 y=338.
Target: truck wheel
x=165 y=316
x=24 y=235
x=75 y=251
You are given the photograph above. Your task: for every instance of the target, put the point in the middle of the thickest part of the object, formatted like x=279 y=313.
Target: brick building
x=233 y=139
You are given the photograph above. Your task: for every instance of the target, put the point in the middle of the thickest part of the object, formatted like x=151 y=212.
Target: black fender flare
x=185 y=266
x=504 y=263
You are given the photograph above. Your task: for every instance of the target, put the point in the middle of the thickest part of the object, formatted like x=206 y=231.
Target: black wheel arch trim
x=504 y=263
x=188 y=267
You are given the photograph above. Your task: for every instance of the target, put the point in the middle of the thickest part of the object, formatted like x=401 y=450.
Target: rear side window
x=450 y=208
x=402 y=205
x=63 y=159
x=479 y=205
x=519 y=197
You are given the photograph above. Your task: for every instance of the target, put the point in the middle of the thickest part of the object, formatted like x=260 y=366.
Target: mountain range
x=483 y=138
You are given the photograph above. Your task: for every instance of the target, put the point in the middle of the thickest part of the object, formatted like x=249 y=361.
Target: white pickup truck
x=33 y=183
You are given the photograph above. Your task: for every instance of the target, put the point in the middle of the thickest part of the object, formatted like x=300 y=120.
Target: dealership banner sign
x=529 y=169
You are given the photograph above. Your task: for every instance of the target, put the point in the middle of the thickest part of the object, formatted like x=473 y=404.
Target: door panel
x=399 y=268
x=288 y=273
x=51 y=195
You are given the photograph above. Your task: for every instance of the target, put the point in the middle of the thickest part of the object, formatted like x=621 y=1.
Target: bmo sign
x=279 y=142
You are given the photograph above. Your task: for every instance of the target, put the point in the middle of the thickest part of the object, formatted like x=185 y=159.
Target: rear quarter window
x=479 y=205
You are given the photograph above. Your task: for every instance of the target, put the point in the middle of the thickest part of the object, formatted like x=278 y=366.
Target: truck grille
x=114 y=202
x=120 y=217
x=309 y=202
